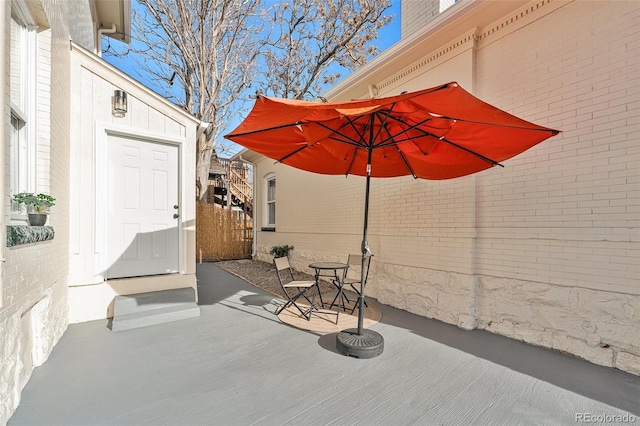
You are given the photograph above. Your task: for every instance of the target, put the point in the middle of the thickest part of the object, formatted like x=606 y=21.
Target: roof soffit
x=246 y=155
x=39 y=15
x=114 y=12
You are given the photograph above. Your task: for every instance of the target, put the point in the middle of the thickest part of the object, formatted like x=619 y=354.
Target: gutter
x=202 y=127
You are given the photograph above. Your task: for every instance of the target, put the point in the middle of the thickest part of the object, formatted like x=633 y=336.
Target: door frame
x=103 y=132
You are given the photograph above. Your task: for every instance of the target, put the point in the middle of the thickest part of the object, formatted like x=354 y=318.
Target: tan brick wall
x=546 y=250
x=416 y=13
x=560 y=224
x=566 y=211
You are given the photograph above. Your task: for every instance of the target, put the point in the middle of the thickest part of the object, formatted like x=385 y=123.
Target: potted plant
x=280 y=251
x=37 y=206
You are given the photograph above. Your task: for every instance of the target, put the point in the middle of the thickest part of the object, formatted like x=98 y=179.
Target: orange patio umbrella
x=439 y=133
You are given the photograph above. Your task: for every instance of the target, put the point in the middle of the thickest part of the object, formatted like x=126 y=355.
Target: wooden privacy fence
x=222 y=234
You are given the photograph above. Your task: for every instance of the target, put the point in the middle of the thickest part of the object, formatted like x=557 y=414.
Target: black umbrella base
x=367 y=345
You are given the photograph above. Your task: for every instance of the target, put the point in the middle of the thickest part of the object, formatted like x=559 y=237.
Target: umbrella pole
x=364 y=247
x=360 y=342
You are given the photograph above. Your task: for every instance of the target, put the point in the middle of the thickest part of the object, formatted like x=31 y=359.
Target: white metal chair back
x=300 y=288
x=355 y=261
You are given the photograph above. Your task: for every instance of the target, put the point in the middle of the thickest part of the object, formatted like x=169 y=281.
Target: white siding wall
x=148 y=117
x=546 y=250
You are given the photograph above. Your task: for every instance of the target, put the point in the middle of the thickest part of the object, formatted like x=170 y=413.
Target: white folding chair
x=355 y=267
x=295 y=289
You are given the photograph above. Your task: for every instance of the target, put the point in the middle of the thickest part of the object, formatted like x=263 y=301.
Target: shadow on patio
x=230 y=366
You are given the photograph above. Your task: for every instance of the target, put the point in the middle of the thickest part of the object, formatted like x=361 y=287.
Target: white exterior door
x=142 y=208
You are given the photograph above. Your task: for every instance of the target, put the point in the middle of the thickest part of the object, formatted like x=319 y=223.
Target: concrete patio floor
x=237 y=364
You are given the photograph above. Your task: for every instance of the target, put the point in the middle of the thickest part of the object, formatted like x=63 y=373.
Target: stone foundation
x=445 y=296
x=601 y=327
x=27 y=341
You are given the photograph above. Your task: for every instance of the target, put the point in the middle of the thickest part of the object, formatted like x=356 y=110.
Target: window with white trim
x=22 y=150
x=270 y=202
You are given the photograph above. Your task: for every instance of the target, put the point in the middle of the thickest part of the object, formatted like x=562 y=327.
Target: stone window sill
x=23 y=234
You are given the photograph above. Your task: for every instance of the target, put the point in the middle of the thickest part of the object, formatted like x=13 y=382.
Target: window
x=22 y=150
x=270 y=202
x=18 y=154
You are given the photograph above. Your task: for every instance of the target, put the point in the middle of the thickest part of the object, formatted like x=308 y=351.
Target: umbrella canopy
x=438 y=133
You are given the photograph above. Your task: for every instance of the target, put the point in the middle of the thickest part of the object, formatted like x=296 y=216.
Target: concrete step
x=158 y=307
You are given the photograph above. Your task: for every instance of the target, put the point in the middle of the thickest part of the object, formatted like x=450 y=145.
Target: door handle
x=176 y=215
x=175 y=206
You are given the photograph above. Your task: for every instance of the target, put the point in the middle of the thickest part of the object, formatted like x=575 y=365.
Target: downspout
x=254 y=248
x=202 y=127
x=472 y=322
x=102 y=31
x=3 y=113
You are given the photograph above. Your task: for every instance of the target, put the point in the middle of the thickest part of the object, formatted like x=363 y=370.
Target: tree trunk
x=203 y=163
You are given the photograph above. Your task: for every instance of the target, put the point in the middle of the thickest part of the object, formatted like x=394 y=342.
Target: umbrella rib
x=412 y=139
x=355 y=129
x=384 y=122
x=406 y=162
x=400 y=153
x=411 y=127
x=443 y=139
x=353 y=160
x=292 y=153
x=346 y=139
x=253 y=132
x=555 y=132
x=482 y=157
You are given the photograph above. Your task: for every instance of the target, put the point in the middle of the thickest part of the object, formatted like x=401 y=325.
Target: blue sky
x=390 y=34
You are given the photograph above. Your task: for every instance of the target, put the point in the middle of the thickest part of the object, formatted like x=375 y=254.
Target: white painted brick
x=35 y=275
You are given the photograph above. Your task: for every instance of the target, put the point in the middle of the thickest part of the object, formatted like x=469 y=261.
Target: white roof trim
x=101 y=63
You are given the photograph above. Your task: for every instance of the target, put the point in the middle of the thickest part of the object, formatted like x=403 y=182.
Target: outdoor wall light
x=119 y=103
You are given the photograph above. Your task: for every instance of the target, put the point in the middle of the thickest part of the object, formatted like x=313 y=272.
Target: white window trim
x=265 y=217
x=22 y=9
x=27 y=113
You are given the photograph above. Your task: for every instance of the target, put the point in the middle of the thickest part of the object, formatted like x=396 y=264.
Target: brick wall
x=559 y=225
x=546 y=250
x=34 y=310
x=416 y=13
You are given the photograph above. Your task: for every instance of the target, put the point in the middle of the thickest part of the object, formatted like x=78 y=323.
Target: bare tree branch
x=207 y=55
x=311 y=36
